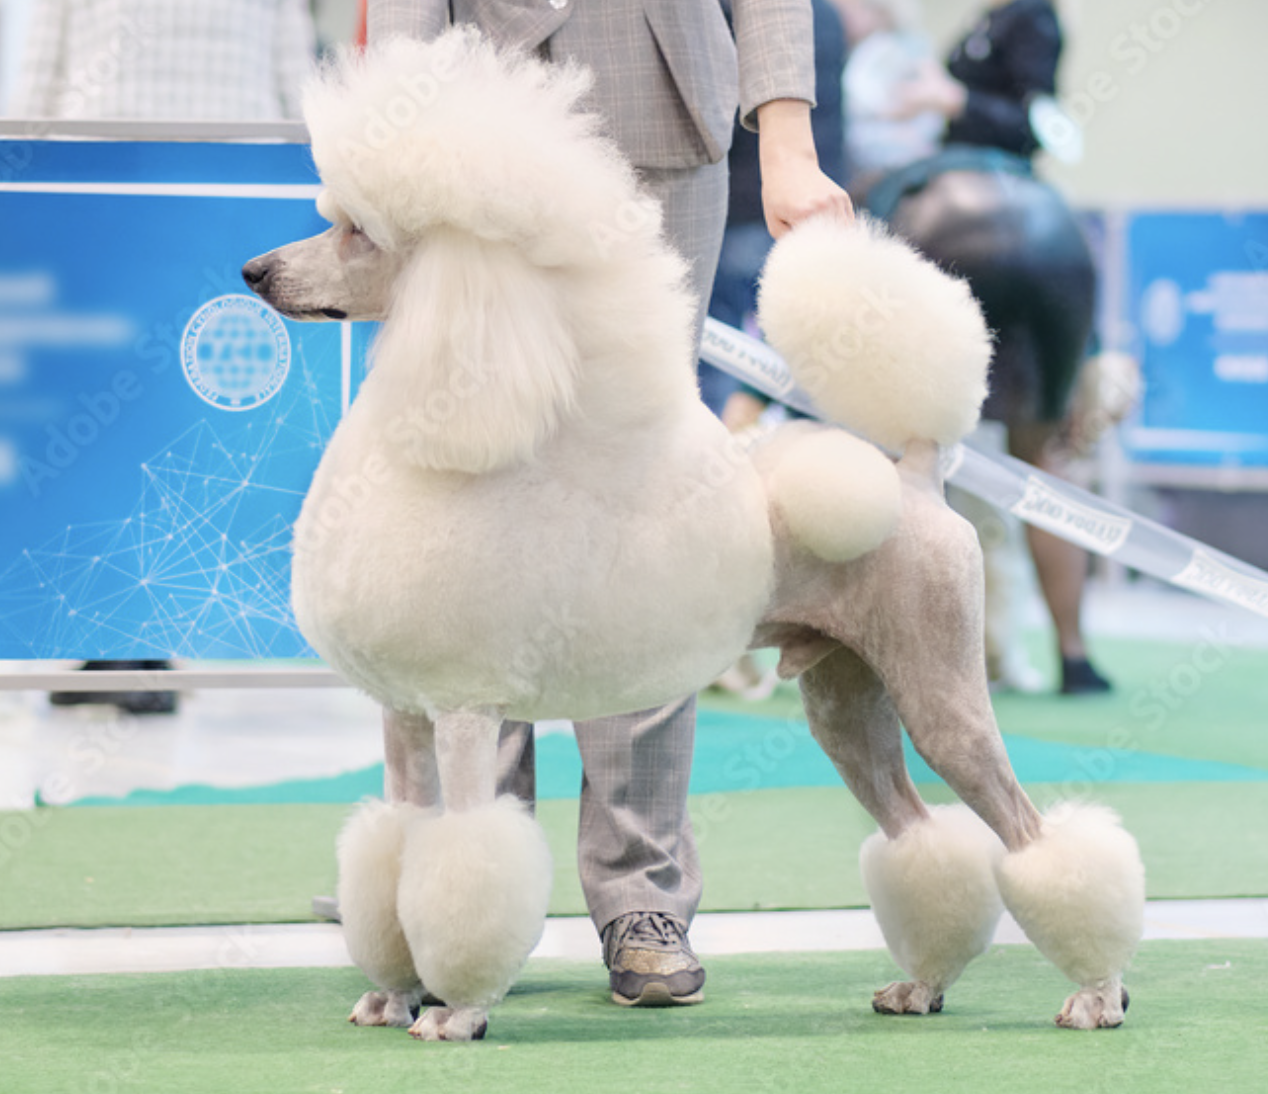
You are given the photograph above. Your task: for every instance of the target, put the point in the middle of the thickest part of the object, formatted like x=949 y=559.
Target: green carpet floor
x=1180 y=713
x=802 y=1024
x=766 y=849
x=1180 y=749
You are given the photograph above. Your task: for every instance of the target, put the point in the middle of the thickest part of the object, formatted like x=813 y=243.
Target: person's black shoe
x=132 y=702
x=1078 y=677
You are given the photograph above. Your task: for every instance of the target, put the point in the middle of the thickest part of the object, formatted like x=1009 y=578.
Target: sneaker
x=650 y=961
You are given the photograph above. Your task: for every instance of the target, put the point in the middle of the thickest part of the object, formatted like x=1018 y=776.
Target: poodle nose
x=257 y=273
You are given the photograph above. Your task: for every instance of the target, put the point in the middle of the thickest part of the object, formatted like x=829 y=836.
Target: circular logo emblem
x=235 y=352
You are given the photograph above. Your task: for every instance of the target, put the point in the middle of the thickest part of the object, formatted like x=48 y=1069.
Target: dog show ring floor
x=157 y=878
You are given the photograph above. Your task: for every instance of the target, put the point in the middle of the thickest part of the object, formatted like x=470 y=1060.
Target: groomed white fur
x=1079 y=894
x=481 y=368
x=479 y=531
x=369 y=856
x=392 y=136
x=528 y=513
x=528 y=466
x=881 y=339
x=472 y=901
x=934 y=895
x=839 y=496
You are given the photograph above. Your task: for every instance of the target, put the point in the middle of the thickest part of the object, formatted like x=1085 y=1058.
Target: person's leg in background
x=1060 y=567
x=1061 y=329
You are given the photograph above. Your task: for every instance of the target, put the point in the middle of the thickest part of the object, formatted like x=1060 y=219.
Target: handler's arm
x=775 y=43
x=793 y=186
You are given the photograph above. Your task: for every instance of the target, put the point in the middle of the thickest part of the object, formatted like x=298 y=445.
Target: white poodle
x=527 y=513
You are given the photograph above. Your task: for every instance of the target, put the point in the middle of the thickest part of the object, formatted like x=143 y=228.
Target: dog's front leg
x=475 y=883
x=369 y=871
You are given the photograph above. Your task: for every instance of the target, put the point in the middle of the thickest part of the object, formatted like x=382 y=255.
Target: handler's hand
x=793 y=186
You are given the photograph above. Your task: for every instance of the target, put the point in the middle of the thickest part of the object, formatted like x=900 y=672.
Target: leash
x=1032 y=495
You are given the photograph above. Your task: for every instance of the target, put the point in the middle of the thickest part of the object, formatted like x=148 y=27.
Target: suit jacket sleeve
x=405 y=19
x=775 y=45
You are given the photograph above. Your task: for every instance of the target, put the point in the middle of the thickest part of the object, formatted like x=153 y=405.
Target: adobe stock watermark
x=127 y=1066
x=414 y=431
x=637 y=218
x=754 y=765
x=555 y=640
x=1151 y=706
x=854 y=332
x=91 y=748
x=99 y=410
x=66 y=440
x=415 y=94
x=1131 y=51
x=341 y=503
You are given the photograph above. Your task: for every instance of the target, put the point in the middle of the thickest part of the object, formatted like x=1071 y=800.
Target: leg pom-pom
x=1078 y=892
x=473 y=896
x=933 y=892
x=369 y=854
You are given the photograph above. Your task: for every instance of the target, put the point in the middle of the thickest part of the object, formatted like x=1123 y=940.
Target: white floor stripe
x=310 y=945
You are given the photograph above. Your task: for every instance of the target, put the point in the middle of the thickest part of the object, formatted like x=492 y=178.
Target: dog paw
x=1101 y=1006
x=907 y=997
x=385 y=1008
x=451 y=1024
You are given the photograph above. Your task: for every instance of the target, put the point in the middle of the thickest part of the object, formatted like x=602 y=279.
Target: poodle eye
x=353 y=242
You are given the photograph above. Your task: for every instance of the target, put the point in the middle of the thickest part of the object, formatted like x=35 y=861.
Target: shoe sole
x=657 y=995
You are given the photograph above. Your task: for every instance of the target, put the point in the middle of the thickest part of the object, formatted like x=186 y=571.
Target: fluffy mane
x=410 y=136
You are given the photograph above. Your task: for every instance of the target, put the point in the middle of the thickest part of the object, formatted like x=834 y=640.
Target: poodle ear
x=475 y=366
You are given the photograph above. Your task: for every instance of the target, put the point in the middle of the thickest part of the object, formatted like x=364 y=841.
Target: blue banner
x=159 y=426
x=1199 y=303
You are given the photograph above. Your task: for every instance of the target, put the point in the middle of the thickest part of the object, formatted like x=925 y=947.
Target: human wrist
x=784 y=131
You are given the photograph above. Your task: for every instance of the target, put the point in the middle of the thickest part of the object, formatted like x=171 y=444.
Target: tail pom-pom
x=884 y=341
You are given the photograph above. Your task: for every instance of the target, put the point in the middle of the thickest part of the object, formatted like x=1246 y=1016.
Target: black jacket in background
x=1005 y=61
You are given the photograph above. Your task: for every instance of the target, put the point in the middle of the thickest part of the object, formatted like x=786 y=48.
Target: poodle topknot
x=410 y=136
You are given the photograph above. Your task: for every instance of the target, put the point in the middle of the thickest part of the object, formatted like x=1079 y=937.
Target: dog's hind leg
x=928 y=872
x=1078 y=892
x=1073 y=880
x=474 y=885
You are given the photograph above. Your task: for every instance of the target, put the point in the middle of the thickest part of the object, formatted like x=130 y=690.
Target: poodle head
x=471 y=200
x=341 y=274
x=412 y=136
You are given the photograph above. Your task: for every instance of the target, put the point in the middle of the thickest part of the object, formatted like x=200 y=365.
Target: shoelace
x=647 y=930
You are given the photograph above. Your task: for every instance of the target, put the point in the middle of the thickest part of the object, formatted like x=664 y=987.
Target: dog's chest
x=541 y=588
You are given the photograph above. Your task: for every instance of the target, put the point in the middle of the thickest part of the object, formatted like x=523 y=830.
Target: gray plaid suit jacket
x=668 y=73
